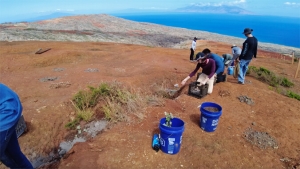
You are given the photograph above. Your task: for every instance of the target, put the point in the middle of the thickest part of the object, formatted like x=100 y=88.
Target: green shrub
x=72 y=124
x=276 y=83
x=269 y=77
x=85 y=115
x=293 y=95
x=286 y=83
x=88 y=99
x=113 y=100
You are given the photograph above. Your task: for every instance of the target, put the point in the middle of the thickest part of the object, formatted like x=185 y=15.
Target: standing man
x=207 y=76
x=193 y=48
x=10 y=112
x=248 y=52
x=236 y=52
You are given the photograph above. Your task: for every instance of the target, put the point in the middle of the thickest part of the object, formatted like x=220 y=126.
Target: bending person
x=236 y=52
x=219 y=64
x=207 y=76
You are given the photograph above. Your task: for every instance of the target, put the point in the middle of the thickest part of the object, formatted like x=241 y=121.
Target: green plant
x=169 y=117
x=269 y=77
x=286 y=83
x=87 y=99
x=72 y=124
x=112 y=100
x=293 y=95
x=85 y=115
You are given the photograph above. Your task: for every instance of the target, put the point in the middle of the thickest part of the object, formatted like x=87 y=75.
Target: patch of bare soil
x=46 y=82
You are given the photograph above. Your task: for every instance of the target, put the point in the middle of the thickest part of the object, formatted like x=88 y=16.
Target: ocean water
x=269 y=29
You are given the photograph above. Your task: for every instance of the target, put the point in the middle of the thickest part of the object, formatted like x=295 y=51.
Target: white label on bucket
x=162 y=142
x=180 y=139
x=204 y=119
x=215 y=122
x=171 y=141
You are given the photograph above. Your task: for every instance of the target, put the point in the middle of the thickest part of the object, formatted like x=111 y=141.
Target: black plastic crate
x=197 y=91
x=21 y=126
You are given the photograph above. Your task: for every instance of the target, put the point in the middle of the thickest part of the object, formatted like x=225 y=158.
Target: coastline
x=107 y=28
x=239 y=41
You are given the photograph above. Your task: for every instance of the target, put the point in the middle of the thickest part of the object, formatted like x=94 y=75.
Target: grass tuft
x=116 y=102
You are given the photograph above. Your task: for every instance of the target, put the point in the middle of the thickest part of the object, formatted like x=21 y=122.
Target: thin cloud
x=154 y=8
x=231 y=3
x=292 y=4
x=238 y=2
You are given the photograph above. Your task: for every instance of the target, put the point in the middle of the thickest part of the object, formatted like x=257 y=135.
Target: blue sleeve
x=219 y=63
x=10 y=108
x=213 y=68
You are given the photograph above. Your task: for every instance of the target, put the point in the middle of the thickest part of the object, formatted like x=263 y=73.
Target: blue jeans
x=243 y=70
x=10 y=152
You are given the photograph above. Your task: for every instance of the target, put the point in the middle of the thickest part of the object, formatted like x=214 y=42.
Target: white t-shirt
x=193 y=45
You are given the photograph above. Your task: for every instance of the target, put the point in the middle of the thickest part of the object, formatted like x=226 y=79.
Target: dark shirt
x=249 y=49
x=207 y=68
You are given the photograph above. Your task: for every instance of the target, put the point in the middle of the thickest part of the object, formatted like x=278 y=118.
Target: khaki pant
x=210 y=82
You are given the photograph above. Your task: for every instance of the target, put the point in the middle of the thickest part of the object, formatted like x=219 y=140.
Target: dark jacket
x=249 y=49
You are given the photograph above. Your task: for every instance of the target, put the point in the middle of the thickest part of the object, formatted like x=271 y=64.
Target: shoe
x=240 y=83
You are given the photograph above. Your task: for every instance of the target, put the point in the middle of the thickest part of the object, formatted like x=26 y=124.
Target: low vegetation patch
x=269 y=77
x=293 y=95
x=114 y=101
x=277 y=83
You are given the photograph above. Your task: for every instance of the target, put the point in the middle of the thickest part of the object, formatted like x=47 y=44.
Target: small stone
x=253 y=123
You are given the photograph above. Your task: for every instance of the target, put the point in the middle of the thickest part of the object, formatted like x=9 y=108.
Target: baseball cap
x=200 y=56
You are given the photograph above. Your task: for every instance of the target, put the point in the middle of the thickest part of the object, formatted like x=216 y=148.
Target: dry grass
x=115 y=101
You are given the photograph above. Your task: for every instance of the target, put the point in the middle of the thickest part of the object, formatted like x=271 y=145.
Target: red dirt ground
x=128 y=145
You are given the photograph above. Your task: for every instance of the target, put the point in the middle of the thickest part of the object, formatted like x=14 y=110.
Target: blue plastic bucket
x=209 y=120
x=230 y=70
x=171 y=137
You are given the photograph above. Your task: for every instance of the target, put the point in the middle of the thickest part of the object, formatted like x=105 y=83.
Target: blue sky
x=11 y=10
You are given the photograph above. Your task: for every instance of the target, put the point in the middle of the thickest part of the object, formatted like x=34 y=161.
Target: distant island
x=222 y=9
